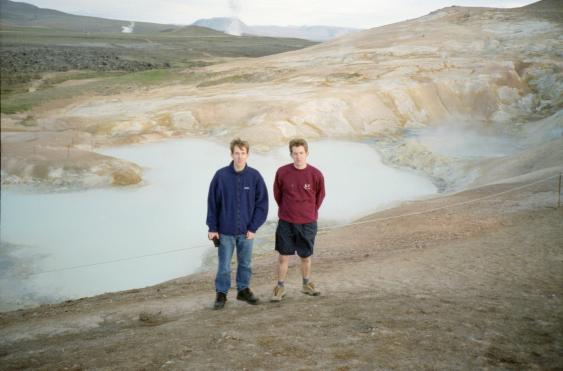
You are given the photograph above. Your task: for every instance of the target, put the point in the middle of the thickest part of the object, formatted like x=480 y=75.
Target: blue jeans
x=226 y=247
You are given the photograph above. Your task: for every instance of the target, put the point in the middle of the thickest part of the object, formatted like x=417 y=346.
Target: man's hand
x=249 y=235
x=212 y=235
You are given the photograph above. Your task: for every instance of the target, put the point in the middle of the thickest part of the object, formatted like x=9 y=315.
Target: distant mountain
x=17 y=14
x=234 y=26
x=313 y=33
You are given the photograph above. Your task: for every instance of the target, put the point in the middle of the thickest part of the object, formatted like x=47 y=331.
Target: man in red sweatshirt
x=299 y=191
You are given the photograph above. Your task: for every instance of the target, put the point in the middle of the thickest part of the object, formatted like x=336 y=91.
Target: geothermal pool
x=58 y=246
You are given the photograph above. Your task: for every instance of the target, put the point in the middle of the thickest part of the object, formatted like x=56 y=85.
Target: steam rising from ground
x=234 y=27
x=128 y=29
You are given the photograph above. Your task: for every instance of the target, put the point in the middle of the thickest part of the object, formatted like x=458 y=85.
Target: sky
x=343 y=13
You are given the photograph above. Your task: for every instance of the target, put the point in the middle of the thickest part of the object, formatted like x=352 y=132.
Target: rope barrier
x=323 y=228
x=116 y=260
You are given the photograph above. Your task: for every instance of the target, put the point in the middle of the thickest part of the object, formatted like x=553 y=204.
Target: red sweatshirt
x=299 y=193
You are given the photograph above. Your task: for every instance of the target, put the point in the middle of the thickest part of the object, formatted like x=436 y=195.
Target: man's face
x=239 y=156
x=299 y=156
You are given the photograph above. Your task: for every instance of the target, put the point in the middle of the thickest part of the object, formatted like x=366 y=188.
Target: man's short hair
x=298 y=142
x=240 y=144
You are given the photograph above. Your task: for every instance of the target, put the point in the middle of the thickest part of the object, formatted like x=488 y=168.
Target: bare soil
x=473 y=286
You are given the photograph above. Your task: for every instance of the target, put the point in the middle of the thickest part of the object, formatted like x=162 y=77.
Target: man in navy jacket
x=237 y=205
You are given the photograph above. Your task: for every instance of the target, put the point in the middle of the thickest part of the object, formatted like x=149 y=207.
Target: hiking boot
x=279 y=293
x=248 y=296
x=310 y=289
x=220 y=301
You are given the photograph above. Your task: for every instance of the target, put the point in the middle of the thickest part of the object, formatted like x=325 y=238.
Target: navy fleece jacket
x=237 y=202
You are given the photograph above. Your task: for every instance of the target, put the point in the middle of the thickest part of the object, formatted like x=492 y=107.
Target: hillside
x=194 y=31
x=477 y=71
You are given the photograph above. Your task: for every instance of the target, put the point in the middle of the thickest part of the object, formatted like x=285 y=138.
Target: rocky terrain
x=43 y=59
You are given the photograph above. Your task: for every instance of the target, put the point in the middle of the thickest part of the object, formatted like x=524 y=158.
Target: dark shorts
x=291 y=238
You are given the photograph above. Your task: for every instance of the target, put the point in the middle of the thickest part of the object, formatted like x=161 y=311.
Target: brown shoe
x=279 y=293
x=310 y=289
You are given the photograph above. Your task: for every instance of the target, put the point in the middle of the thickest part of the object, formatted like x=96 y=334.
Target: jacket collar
x=232 y=167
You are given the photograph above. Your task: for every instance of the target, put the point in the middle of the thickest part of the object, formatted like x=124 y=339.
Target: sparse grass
x=59 y=78
x=14 y=106
x=105 y=83
x=16 y=82
x=243 y=78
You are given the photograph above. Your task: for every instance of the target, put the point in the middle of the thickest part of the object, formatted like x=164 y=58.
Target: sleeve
x=320 y=196
x=277 y=188
x=213 y=205
x=260 y=205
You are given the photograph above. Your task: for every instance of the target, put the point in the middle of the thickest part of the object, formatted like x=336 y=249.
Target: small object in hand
x=216 y=241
